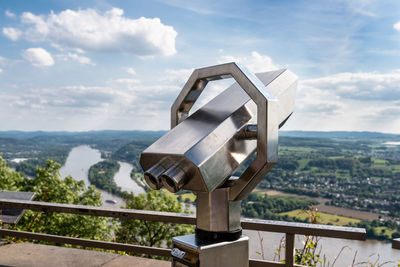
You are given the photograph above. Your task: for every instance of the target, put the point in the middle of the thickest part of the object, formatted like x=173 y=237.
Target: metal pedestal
x=190 y=252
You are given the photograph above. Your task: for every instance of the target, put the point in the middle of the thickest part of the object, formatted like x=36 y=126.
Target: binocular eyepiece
x=172 y=175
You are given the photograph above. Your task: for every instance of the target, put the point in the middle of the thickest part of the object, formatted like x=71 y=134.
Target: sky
x=96 y=65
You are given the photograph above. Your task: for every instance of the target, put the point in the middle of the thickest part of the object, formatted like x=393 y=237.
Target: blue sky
x=92 y=65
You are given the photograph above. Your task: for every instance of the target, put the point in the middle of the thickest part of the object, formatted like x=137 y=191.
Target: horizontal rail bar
x=88 y=243
x=164 y=252
x=304 y=229
x=158 y=216
x=260 y=263
x=170 y=217
x=396 y=243
x=263 y=263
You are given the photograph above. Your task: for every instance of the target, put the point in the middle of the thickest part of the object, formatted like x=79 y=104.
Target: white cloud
x=77 y=58
x=1 y=70
x=38 y=57
x=126 y=81
x=131 y=71
x=12 y=33
x=176 y=77
x=362 y=7
x=396 y=26
x=255 y=62
x=361 y=86
x=349 y=101
x=9 y=14
x=77 y=97
x=81 y=59
x=91 y=31
x=122 y=105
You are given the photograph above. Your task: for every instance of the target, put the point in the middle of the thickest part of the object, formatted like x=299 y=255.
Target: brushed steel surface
x=208 y=139
x=209 y=145
x=233 y=253
x=217 y=213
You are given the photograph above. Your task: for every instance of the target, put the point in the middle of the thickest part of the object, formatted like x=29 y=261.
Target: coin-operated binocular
x=202 y=151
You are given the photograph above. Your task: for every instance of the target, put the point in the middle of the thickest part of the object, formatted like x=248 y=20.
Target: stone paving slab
x=34 y=255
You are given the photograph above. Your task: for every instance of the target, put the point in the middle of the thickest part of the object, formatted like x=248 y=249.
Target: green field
x=382 y=230
x=324 y=218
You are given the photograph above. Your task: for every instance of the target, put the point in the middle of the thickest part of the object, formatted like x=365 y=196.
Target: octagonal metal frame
x=267 y=119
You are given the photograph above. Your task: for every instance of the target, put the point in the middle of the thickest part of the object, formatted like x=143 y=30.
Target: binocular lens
x=152 y=181
x=176 y=176
x=152 y=175
x=169 y=183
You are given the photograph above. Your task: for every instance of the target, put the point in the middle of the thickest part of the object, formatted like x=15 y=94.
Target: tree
x=102 y=175
x=147 y=233
x=49 y=187
x=9 y=179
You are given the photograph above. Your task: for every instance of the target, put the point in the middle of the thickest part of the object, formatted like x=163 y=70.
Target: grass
x=385 y=230
x=296 y=149
x=302 y=163
x=190 y=196
x=395 y=167
x=325 y=218
x=169 y=193
x=379 y=161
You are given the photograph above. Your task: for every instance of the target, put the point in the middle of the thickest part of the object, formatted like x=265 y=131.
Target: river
x=82 y=157
x=78 y=163
x=123 y=179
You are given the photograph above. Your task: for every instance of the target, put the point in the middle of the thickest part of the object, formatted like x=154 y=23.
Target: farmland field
x=361 y=215
x=324 y=218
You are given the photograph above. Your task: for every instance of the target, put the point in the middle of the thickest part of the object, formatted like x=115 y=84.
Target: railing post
x=396 y=243
x=289 y=250
x=3 y=241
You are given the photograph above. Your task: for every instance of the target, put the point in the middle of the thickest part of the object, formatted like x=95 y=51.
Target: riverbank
x=78 y=163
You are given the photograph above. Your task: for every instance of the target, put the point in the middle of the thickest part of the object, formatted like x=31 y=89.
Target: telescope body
x=203 y=151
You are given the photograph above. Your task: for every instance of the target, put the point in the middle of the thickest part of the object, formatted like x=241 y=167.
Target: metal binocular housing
x=202 y=150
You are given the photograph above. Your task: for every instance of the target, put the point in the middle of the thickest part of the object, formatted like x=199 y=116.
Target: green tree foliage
x=151 y=233
x=131 y=153
x=9 y=179
x=102 y=176
x=49 y=187
x=258 y=205
x=28 y=167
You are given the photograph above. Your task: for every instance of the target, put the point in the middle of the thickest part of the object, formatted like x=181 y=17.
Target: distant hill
x=156 y=134
x=338 y=134
x=108 y=133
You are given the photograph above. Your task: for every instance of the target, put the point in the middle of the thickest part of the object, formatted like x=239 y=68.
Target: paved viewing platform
x=34 y=255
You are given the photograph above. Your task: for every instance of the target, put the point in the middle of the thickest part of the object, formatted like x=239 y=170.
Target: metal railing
x=290 y=229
